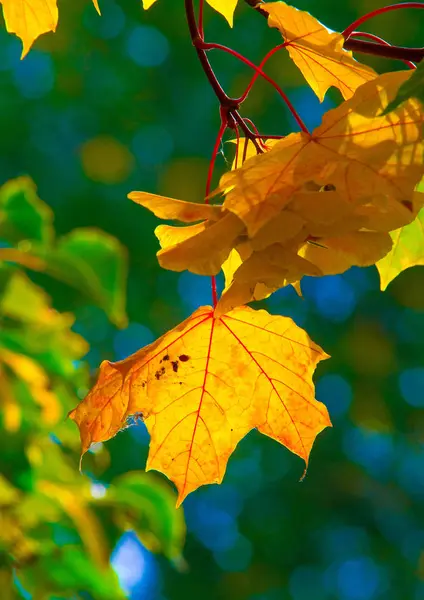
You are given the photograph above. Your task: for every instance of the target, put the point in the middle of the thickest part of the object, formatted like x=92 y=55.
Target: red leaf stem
x=375 y=49
x=379 y=11
x=261 y=73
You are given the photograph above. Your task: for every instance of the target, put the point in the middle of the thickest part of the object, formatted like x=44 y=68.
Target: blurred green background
x=118 y=103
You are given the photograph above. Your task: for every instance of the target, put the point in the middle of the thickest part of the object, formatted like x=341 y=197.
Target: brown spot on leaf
x=175 y=366
x=159 y=373
x=166 y=357
x=184 y=357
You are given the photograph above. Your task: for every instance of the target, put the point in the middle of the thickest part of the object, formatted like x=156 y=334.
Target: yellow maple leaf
x=407 y=250
x=224 y=7
x=29 y=19
x=169 y=208
x=263 y=273
x=317 y=51
x=203 y=386
x=333 y=255
x=201 y=248
x=358 y=152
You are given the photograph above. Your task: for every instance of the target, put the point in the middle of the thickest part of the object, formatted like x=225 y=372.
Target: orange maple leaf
x=203 y=386
x=317 y=51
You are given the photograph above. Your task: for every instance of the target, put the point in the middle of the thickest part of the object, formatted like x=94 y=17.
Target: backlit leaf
x=23 y=216
x=144 y=503
x=263 y=273
x=407 y=251
x=225 y=7
x=202 y=248
x=203 y=386
x=317 y=51
x=337 y=254
x=29 y=19
x=94 y=263
x=359 y=153
x=168 y=208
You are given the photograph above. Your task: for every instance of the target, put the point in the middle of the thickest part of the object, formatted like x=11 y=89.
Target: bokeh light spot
x=335 y=392
x=358 y=579
x=411 y=383
x=131 y=339
x=106 y=160
x=194 y=290
x=333 y=296
x=152 y=145
x=34 y=76
x=109 y=25
x=147 y=46
x=371 y=449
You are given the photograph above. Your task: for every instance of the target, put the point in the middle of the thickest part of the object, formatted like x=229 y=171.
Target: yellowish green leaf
x=407 y=251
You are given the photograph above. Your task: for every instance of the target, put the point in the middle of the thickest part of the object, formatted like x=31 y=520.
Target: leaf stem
x=376 y=49
x=378 y=11
x=260 y=73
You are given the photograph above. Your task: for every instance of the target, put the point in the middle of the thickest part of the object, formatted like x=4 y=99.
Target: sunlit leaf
x=168 y=208
x=142 y=502
x=317 y=51
x=337 y=254
x=23 y=216
x=95 y=263
x=355 y=151
x=203 y=386
x=262 y=273
x=407 y=251
x=29 y=19
x=225 y=7
x=201 y=248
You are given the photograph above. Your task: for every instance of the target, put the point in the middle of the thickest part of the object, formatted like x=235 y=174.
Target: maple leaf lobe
x=248 y=370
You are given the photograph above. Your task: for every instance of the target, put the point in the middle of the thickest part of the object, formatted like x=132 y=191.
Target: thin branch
x=394 y=52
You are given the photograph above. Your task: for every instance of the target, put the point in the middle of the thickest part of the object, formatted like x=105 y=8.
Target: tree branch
x=393 y=52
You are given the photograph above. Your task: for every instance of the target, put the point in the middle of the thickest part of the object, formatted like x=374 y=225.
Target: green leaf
x=412 y=88
x=66 y=570
x=23 y=216
x=407 y=251
x=146 y=504
x=36 y=330
x=95 y=263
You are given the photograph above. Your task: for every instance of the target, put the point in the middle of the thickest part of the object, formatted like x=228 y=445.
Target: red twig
x=259 y=71
x=379 y=11
x=261 y=65
x=200 y=19
x=212 y=161
x=376 y=38
x=393 y=52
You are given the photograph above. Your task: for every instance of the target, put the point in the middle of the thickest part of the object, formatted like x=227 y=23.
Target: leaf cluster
x=56 y=535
